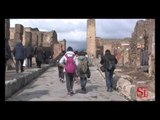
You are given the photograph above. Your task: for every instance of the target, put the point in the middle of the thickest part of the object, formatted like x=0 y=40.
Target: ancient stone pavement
x=47 y=87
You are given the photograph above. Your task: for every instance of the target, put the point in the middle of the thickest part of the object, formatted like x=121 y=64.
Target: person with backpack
x=69 y=62
x=83 y=67
x=109 y=62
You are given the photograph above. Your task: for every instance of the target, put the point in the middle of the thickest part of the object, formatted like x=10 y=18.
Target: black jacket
x=106 y=57
x=29 y=51
x=39 y=54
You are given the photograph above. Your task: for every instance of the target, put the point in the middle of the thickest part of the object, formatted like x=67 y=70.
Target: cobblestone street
x=47 y=87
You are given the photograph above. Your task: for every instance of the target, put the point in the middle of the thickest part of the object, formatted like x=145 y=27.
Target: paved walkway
x=47 y=87
x=11 y=74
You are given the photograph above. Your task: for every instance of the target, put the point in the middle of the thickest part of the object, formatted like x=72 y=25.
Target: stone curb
x=12 y=86
x=128 y=90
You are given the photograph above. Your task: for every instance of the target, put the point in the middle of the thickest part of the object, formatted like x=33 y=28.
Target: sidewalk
x=11 y=74
x=15 y=81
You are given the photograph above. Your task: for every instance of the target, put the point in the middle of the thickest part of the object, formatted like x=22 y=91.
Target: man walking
x=109 y=62
x=20 y=54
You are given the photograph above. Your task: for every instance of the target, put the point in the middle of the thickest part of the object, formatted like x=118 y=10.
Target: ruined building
x=28 y=35
x=33 y=36
x=118 y=47
x=142 y=45
x=96 y=46
x=139 y=50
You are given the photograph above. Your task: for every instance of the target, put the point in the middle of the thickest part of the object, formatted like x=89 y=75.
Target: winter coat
x=19 y=51
x=79 y=59
x=69 y=54
x=104 y=61
x=29 y=51
x=39 y=54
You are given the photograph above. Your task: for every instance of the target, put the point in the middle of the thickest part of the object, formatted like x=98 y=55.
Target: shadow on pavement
x=88 y=88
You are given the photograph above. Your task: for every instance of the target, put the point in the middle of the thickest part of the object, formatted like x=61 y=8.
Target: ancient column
x=151 y=47
x=91 y=37
x=27 y=38
x=64 y=45
x=18 y=32
x=34 y=38
x=10 y=64
x=40 y=38
x=133 y=50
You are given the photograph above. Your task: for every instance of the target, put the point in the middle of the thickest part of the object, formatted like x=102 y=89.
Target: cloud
x=74 y=35
x=74 y=30
x=71 y=29
x=115 y=28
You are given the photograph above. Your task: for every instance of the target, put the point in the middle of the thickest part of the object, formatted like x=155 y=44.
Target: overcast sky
x=74 y=30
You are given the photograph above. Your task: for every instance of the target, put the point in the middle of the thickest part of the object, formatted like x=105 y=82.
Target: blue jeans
x=109 y=79
x=83 y=81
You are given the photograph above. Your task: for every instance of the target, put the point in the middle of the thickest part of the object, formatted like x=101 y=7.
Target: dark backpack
x=70 y=65
x=111 y=64
x=83 y=65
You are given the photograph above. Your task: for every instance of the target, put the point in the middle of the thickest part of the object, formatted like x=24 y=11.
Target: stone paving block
x=121 y=82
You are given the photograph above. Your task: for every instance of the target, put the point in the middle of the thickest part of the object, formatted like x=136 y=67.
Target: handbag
x=102 y=68
x=25 y=63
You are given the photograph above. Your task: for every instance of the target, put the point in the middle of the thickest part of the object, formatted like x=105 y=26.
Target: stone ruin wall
x=34 y=37
x=9 y=63
x=143 y=37
x=137 y=43
x=118 y=47
x=59 y=47
x=150 y=28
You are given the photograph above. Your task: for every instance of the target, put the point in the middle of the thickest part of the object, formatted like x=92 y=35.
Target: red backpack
x=70 y=65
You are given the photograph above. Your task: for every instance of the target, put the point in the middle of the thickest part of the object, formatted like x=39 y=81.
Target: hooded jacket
x=69 y=54
x=64 y=59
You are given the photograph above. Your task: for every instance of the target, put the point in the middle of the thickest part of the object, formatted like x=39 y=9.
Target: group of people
x=22 y=53
x=73 y=65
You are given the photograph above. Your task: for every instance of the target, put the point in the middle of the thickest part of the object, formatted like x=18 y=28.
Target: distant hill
x=76 y=45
